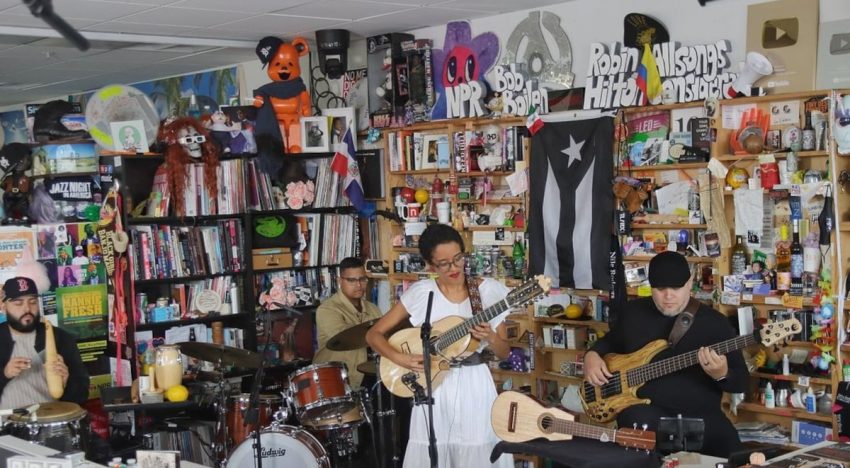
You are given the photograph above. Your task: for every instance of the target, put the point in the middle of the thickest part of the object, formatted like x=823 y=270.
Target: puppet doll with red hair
x=282 y=102
x=188 y=142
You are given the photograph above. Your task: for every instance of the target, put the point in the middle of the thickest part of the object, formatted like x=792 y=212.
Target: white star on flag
x=573 y=151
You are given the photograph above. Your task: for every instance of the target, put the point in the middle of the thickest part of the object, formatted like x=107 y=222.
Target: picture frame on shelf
x=341 y=118
x=129 y=135
x=315 y=134
x=431 y=152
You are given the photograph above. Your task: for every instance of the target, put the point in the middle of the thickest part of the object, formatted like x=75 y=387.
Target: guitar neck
x=459 y=331
x=654 y=370
x=564 y=426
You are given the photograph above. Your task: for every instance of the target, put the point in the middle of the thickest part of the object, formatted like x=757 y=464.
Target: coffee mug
x=412 y=211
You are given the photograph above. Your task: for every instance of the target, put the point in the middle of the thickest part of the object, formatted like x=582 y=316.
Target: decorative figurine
x=188 y=142
x=385 y=89
x=496 y=104
x=15 y=161
x=282 y=102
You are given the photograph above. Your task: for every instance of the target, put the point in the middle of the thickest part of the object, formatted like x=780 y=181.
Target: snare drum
x=321 y=391
x=59 y=425
x=351 y=418
x=237 y=430
x=282 y=446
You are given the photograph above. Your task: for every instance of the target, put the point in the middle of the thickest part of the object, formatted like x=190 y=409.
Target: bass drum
x=282 y=446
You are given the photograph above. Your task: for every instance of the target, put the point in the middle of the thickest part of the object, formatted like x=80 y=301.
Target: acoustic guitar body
x=604 y=405
x=409 y=341
x=519 y=418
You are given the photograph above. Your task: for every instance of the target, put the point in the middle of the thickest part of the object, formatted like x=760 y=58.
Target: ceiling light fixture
x=131 y=38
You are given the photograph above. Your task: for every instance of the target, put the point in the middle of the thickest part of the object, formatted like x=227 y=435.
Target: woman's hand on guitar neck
x=409 y=361
x=595 y=370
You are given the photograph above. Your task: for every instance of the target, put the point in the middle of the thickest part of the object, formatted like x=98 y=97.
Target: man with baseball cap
x=23 y=381
x=692 y=392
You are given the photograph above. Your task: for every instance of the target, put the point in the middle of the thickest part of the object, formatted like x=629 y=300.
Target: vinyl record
x=119 y=103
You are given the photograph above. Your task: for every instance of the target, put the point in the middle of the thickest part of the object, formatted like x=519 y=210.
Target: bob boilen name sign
x=688 y=73
x=519 y=92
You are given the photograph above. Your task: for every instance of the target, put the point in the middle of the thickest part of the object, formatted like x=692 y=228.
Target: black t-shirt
x=688 y=390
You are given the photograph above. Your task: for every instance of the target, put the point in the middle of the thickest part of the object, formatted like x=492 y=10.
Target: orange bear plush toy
x=282 y=102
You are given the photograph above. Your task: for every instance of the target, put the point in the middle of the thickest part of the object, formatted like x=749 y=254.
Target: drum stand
x=381 y=415
x=220 y=446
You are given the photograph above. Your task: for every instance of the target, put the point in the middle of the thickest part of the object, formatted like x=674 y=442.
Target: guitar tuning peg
x=634 y=425
x=644 y=426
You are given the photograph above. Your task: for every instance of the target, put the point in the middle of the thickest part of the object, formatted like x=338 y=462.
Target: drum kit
x=60 y=425
x=317 y=404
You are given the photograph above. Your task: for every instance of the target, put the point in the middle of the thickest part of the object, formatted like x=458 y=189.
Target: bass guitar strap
x=683 y=322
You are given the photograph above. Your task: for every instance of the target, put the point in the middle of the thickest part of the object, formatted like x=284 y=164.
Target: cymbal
x=351 y=338
x=355 y=337
x=216 y=353
x=368 y=367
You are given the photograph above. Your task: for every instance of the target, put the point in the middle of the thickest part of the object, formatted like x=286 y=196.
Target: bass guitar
x=517 y=417
x=450 y=340
x=631 y=371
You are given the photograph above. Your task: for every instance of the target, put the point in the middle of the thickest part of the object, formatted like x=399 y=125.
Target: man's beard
x=18 y=326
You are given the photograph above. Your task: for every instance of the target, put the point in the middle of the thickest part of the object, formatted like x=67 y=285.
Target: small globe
x=422 y=196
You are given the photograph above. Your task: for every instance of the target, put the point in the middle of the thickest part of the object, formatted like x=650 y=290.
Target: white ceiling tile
x=348 y=10
x=132 y=58
x=95 y=9
x=185 y=17
x=137 y=28
x=27 y=20
x=404 y=21
x=251 y=6
x=277 y=25
x=416 y=3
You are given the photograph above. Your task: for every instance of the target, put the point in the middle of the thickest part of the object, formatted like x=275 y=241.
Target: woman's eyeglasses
x=458 y=260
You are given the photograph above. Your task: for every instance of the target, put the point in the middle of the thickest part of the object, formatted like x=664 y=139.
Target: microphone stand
x=429 y=395
x=252 y=413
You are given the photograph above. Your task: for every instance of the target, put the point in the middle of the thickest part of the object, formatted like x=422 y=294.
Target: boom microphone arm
x=44 y=9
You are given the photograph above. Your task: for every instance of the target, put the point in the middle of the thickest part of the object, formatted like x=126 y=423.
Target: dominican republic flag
x=572 y=203
x=345 y=165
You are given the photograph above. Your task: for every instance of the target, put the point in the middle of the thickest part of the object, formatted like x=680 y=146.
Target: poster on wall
x=13 y=242
x=83 y=310
x=212 y=89
x=14 y=127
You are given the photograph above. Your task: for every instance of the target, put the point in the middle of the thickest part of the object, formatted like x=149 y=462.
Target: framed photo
x=431 y=151
x=341 y=119
x=157 y=459
x=314 y=135
x=129 y=136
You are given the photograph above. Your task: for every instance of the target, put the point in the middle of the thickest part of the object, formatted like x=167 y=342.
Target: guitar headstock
x=640 y=439
x=774 y=333
x=528 y=291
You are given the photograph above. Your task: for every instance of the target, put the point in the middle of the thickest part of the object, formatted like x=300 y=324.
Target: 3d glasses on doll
x=189 y=139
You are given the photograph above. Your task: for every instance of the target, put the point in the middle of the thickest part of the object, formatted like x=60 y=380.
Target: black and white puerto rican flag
x=572 y=204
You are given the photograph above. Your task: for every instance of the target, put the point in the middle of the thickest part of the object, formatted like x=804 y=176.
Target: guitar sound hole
x=546 y=423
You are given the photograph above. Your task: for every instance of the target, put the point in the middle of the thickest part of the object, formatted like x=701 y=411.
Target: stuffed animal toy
x=282 y=102
x=187 y=142
x=15 y=161
x=47 y=122
x=385 y=89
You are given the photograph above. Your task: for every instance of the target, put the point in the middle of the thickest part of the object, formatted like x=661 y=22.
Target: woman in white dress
x=463 y=401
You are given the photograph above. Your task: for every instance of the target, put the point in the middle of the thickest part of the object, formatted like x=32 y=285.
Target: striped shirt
x=30 y=387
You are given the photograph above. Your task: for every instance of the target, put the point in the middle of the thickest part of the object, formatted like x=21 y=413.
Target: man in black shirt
x=692 y=392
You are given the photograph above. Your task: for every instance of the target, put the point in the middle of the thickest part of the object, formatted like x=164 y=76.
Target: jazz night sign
x=691 y=73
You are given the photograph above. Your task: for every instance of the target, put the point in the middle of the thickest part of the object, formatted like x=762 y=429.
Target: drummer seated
x=22 y=342
x=342 y=311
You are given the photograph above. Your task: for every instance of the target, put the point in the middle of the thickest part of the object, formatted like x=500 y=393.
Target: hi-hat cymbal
x=355 y=337
x=368 y=367
x=216 y=353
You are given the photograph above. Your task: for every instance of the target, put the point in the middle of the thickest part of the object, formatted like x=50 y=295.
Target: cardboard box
x=267 y=259
x=807 y=433
x=387 y=70
x=786 y=32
